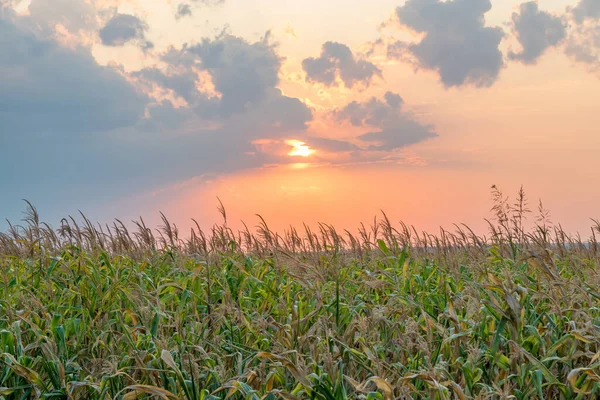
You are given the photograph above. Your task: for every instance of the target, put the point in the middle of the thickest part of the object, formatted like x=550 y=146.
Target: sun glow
x=299 y=149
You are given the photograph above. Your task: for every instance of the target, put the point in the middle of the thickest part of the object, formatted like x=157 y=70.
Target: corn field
x=125 y=311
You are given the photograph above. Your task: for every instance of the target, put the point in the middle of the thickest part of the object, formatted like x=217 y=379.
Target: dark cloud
x=331 y=145
x=245 y=76
x=586 y=9
x=456 y=42
x=245 y=102
x=165 y=116
x=85 y=173
x=244 y=73
x=57 y=107
x=183 y=82
x=393 y=127
x=45 y=87
x=536 y=31
x=336 y=60
x=393 y=99
x=276 y=116
x=77 y=134
x=124 y=28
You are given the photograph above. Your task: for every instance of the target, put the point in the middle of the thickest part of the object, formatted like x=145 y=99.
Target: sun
x=299 y=149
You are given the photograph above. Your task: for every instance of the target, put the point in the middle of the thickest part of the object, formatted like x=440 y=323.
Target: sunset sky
x=300 y=111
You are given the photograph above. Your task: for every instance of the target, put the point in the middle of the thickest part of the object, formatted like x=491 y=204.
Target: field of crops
x=390 y=313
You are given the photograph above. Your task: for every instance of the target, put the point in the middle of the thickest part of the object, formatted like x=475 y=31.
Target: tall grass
x=109 y=312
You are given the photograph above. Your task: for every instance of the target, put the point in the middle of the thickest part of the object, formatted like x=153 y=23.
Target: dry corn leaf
x=574 y=376
x=382 y=384
x=136 y=391
x=300 y=377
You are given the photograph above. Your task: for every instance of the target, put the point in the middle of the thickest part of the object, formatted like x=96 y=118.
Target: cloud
x=183 y=10
x=536 y=31
x=164 y=115
x=186 y=9
x=58 y=108
x=337 y=61
x=46 y=88
x=124 y=28
x=181 y=82
x=331 y=145
x=243 y=102
x=217 y=127
x=586 y=9
x=393 y=126
x=81 y=134
x=583 y=43
x=75 y=15
x=244 y=75
x=584 y=46
x=456 y=42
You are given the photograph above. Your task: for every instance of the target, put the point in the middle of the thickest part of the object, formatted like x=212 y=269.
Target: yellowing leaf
x=138 y=390
x=300 y=377
x=581 y=338
x=574 y=376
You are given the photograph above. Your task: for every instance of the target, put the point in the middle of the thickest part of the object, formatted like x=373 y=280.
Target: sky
x=301 y=112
